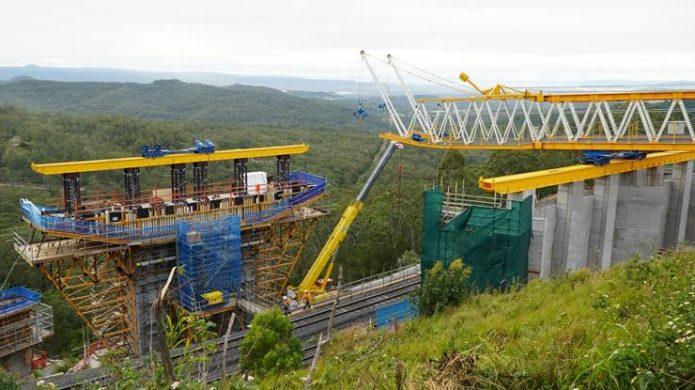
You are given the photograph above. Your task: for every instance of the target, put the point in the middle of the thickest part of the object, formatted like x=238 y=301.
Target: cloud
x=512 y=41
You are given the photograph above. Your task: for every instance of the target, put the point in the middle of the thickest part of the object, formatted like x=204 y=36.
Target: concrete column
x=520 y=196
x=655 y=176
x=603 y=221
x=677 y=217
x=572 y=228
x=547 y=243
x=641 y=178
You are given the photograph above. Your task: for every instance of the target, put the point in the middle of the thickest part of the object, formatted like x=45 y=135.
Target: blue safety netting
x=395 y=312
x=16 y=299
x=318 y=183
x=37 y=215
x=209 y=259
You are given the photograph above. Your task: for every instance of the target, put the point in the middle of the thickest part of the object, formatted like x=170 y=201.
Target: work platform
x=233 y=241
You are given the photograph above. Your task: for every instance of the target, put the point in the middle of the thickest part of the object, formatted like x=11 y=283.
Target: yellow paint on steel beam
x=667 y=144
x=184 y=158
x=551 y=177
x=571 y=97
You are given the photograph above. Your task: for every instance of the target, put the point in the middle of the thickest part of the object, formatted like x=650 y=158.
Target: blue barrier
x=395 y=312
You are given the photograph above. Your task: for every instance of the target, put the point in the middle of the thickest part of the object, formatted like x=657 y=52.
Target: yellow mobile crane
x=325 y=258
x=506 y=118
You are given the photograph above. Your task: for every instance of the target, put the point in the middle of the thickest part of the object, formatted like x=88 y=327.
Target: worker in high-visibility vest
x=307 y=300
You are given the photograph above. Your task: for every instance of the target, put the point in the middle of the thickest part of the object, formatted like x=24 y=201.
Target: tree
x=270 y=346
x=444 y=287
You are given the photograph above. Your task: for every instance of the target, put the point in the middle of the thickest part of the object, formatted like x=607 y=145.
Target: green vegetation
x=8 y=381
x=444 y=287
x=173 y=99
x=270 y=346
x=389 y=225
x=632 y=326
x=189 y=333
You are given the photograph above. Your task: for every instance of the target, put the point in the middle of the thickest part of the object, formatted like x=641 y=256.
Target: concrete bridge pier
x=625 y=215
x=603 y=221
x=677 y=216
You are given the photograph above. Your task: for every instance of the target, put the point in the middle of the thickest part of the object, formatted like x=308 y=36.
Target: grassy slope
x=631 y=325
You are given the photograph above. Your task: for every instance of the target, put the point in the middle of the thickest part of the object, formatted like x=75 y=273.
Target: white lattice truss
x=503 y=116
x=521 y=121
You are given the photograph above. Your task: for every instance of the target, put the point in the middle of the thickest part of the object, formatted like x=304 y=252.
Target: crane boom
x=330 y=248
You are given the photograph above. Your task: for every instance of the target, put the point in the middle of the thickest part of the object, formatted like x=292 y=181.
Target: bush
x=444 y=287
x=8 y=380
x=270 y=346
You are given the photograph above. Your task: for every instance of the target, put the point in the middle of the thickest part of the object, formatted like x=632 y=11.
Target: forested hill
x=173 y=99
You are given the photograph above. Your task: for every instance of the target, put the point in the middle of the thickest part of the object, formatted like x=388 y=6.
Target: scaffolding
x=24 y=320
x=492 y=236
x=109 y=255
x=209 y=260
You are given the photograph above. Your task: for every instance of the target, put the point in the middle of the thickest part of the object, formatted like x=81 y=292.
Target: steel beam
x=680 y=145
x=564 y=175
x=71 y=191
x=184 y=158
x=131 y=183
x=178 y=181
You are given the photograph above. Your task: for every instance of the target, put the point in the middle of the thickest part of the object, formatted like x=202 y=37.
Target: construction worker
x=286 y=305
x=307 y=300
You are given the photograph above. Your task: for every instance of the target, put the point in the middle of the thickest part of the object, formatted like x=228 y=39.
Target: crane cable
x=456 y=88
x=453 y=84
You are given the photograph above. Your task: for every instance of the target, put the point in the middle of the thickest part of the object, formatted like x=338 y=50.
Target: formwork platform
x=109 y=257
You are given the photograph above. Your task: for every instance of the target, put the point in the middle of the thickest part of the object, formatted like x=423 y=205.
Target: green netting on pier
x=493 y=241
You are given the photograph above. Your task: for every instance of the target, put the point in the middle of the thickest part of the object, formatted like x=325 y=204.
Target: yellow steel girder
x=680 y=144
x=550 y=177
x=183 y=158
x=569 y=97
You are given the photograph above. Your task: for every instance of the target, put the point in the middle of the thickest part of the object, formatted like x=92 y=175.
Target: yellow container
x=214 y=297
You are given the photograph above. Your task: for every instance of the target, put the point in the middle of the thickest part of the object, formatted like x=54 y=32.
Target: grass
x=632 y=326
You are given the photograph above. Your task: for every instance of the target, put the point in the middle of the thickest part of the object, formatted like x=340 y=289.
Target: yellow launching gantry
x=131 y=169
x=183 y=158
x=506 y=118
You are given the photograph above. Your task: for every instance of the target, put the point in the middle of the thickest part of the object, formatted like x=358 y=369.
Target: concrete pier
x=622 y=216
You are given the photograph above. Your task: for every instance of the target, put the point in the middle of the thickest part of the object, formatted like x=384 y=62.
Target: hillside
x=173 y=99
x=630 y=327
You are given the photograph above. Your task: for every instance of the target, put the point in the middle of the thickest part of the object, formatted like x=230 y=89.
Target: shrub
x=8 y=380
x=270 y=346
x=444 y=287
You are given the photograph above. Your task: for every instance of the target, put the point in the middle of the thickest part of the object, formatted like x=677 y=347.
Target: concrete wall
x=640 y=222
x=627 y=215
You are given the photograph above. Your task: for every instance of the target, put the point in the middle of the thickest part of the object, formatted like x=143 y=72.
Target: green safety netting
x=493 y=241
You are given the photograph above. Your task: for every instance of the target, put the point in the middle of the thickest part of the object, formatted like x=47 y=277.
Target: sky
x=514 y=42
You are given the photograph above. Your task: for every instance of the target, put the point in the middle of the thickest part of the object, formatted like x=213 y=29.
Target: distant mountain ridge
x=211 y=78
x=174 y=99
x=299 y=85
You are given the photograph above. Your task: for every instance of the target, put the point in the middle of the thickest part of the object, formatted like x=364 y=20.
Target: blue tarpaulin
x=395 y=312
x=16 y=299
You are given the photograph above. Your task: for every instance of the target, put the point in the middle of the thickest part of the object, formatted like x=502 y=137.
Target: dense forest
x=387 y=228
x=173 y=99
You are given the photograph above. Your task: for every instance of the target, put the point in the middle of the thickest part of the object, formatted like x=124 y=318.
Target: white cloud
x=508 y=41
